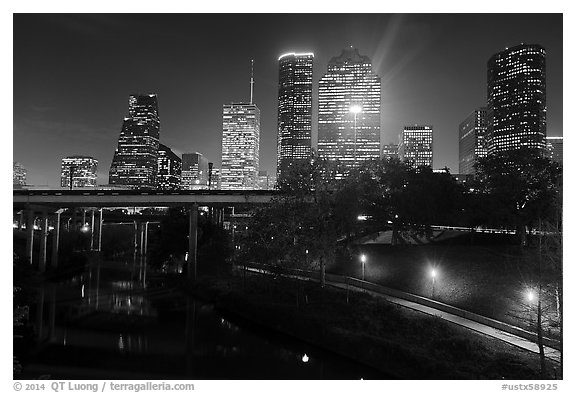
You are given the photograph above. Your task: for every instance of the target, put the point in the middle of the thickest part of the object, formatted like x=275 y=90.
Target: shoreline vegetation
x=401 y=343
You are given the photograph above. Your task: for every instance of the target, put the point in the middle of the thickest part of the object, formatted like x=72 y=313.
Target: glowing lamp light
x=363 y=258
x=305 y=358
x=85 y=228
x=433 y=273
x=531 y=296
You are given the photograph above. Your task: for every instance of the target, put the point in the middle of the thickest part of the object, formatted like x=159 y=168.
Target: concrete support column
x=146 y=238
x=43 y=242
x=135 y=237
x=141 y=236
x=83 y=217
x=192 y=241
x=92 y=231
x=30 y=235
x=55 y=242
x=74 y=220
x=20 y=220
x=100 y=220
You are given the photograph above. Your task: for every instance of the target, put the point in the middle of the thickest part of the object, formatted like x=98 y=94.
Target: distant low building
x=555 y=149
x=390 y=151
x=169 y=169
x=19 y=174
x=416 y=145
x=194 y=172
x=80 y=170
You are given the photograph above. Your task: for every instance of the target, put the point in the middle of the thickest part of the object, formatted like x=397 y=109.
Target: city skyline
x=412 y=54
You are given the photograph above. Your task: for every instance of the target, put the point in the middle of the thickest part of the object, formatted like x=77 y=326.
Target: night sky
x=73 y=73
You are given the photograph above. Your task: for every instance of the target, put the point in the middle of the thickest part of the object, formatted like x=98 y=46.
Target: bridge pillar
x=30 y=235
x=92 y=231
x=43 y=242
x=100 y=220
x=20 y=220
x=55 y=242
x=192 y=241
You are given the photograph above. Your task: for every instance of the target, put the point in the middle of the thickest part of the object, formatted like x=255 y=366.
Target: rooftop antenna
x=251 y=80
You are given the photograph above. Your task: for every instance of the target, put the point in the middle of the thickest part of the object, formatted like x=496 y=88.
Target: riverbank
x=397 y=341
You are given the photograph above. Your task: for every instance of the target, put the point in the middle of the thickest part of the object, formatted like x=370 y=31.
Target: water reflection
x=126 y=322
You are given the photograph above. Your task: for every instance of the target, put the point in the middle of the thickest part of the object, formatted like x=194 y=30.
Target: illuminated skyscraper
x=81 y=170
x=294 y=108
x=169 y=169
x=472 y=142
x=349 y=111
x=135 y=162
x=554 y=146
x=416 y=145
x=194 y=172
x=240 y=144
x=19 y=174
x=517 y=99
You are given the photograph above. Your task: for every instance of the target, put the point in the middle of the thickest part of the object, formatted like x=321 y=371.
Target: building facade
x=18 y=174
x=240 y=146
x=517 y=99
x=349 y=111
x=555 y=149
x=416 y=145
x=472 y=141
x=169 y=169
x=81 y=171
x=135 y=162
x=294 y=108
x=389 y=151
x=215 y=179
x=194 y=172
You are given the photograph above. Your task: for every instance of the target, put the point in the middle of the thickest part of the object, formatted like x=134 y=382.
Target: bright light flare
x=355 y=109
x=305 y=358
x=531 y=296
x=363 y=258
x=433 y=273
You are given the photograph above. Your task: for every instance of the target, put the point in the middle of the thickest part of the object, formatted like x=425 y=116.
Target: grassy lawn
x=398 y=341
x=489 y=280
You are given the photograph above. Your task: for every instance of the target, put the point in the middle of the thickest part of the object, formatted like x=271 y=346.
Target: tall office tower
x=554 y=147
x=390 y=151
x=416 y=145
x=517 y=99
x=194 y=172
x=349 y=111
x=135 y=162
x=169 y=169
x=472 y=142
x=81 y=170
x=18 y=174
x=294 y=108
x=240 y=144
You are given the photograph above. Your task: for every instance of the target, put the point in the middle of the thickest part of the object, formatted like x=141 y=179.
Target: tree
x=519 y=186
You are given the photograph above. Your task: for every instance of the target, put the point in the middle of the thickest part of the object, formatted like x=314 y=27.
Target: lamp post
x=433 y=274
x=355 y=109
x=363 y=260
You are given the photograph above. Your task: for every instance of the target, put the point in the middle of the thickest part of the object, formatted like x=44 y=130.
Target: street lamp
x=531 y=296
x=433 y=273
x=355 y=109
x=363 y=260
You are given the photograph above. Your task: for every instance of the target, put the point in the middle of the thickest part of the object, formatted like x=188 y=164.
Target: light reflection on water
x=120 y=317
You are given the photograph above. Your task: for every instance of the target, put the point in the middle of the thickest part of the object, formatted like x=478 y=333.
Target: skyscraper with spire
x=135 y=162
x=240 y=143
x=294 y=108
x=349 y=111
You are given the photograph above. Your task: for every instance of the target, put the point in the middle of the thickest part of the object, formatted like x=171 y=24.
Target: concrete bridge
x=45 y=204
